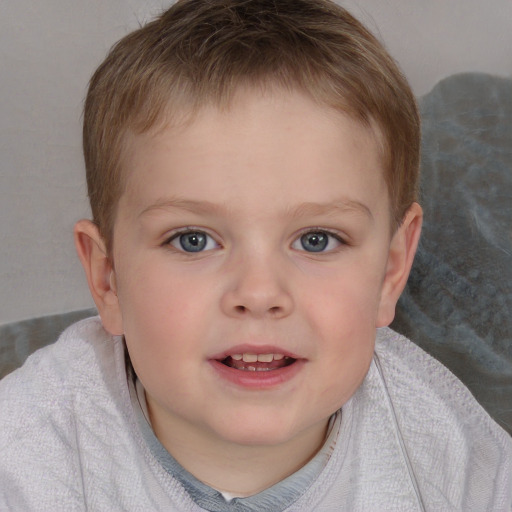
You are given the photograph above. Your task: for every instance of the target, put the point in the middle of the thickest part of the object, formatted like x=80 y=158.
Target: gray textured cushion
x=458 y=302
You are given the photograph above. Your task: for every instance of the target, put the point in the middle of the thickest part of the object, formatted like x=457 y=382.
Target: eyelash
x=316 y=231
x=298 y=240
x=190 y=231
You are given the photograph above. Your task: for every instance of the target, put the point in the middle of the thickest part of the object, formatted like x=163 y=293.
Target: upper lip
x=254 y=349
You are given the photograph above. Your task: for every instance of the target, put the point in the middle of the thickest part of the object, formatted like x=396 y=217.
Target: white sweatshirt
x=412 y=438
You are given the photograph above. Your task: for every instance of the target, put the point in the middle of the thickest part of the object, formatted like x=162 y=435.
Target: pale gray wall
x=48 y=50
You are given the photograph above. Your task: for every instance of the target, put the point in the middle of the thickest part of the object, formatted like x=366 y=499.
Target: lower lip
x=257 y=380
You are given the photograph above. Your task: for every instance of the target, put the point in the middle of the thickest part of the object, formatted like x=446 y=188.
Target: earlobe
x=92 y=252
x=401 y=256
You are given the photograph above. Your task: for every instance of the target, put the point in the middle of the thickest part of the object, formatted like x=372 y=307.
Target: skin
x=253 y=177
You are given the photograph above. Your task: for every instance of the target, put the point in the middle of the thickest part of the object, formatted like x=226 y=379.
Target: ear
x=92 y=252
x=401 y=255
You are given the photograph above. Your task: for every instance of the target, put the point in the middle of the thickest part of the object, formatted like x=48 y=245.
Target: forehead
x=281 y=141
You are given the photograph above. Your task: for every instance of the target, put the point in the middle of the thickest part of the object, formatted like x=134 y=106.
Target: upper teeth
x=262 y=358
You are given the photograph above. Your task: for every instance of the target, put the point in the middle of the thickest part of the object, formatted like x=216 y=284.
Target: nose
x=258 y=289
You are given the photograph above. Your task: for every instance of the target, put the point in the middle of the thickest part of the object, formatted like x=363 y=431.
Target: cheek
x=162 y=311
x=342 y=318
x=159 y=290
x=162 y=331
x=346 y=299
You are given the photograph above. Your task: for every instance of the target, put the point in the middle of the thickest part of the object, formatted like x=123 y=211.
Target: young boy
x=252 y=170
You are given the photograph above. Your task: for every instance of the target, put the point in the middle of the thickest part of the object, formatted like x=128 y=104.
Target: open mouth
x=257 y=362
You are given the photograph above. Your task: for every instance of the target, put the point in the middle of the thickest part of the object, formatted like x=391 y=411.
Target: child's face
x=262 y=230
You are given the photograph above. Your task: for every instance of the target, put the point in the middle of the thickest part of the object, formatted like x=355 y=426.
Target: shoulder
x=79 y=353
x=446 y=433
x=410 y=373
x=40 y=407
x=53 y=381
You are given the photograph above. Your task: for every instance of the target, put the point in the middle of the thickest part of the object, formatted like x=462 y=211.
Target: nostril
x=274 y=310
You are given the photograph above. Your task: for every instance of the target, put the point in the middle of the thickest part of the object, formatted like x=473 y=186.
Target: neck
x=241 y=470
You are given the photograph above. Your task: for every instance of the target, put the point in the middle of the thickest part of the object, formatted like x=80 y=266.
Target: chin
x=255 y=433
x=266 y=428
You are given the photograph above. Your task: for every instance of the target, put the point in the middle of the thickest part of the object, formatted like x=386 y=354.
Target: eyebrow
x=204 y=207
x=341 y=206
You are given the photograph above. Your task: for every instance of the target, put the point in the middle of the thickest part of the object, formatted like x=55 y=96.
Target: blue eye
x=193 y=241
x=317 y=241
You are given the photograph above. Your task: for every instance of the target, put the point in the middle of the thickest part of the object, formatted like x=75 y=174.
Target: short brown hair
x=200 y=51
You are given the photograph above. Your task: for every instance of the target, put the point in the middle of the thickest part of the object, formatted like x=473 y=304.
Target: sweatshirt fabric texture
x=412 y=438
